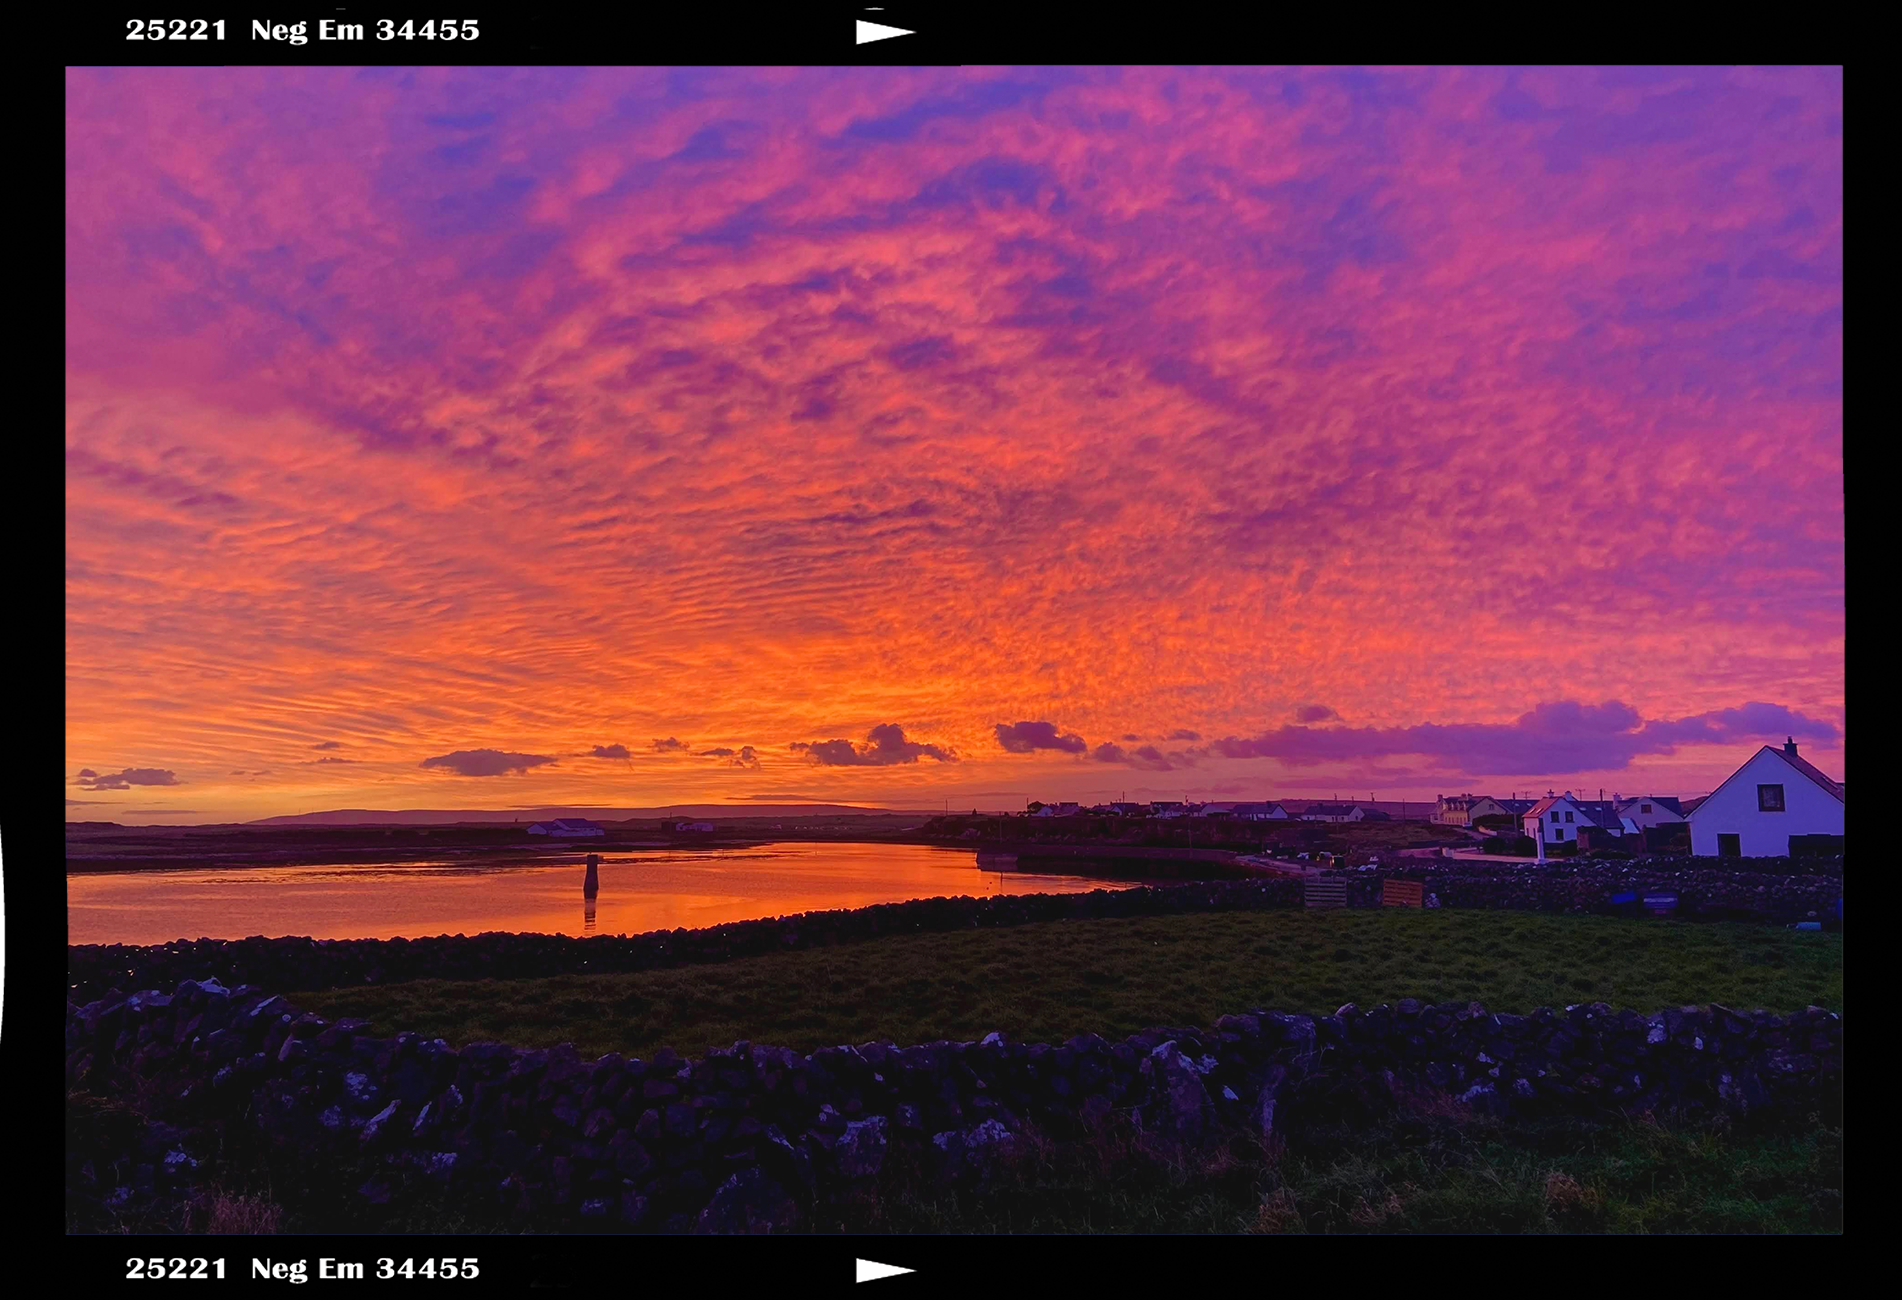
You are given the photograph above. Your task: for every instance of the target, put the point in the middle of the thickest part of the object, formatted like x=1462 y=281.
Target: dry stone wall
x=753 y=1138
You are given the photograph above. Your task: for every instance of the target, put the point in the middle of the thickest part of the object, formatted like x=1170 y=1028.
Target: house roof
x=1669 y=801
x=1802 y=765
x=573 y=823
x=1330 y=809
x=1689 y=806
x=1810 y=770
x=1602 y=812
x=1599 y=812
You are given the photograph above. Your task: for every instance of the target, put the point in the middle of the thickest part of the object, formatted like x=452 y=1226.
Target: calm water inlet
x=639 y=891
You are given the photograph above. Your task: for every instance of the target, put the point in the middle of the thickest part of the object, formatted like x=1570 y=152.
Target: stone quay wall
x=286 y=964
x=752 y=1138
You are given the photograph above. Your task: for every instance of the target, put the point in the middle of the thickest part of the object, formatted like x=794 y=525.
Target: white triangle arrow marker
x=880 y=32
x=868 y=1271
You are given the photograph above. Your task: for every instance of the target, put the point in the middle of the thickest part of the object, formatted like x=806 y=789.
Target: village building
x=698 y=828
x=1455 y=809
x=1648 y=811
x=1513 y=809
x=1057 y=810
x=1403 y=809
x=1776 y=796
x=1342 y=812
x=1557 y=819
x=567 y=828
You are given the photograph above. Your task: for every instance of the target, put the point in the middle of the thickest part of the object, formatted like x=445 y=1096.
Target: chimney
x=1789 y=746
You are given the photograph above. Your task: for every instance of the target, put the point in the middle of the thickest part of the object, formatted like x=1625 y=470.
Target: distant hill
x=448 y=816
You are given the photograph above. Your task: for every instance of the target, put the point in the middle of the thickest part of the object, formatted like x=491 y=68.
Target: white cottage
x=1335 y=812
x=1754 y=813
x=1556 y=819
x=568 y=828
x=1646 y=811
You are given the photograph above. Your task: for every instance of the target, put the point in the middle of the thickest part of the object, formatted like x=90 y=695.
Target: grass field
x=1433 y=1167
x=1050 y=981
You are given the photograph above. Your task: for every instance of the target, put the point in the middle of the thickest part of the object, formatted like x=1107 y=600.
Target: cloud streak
x=1562 y=737
x=125 y=779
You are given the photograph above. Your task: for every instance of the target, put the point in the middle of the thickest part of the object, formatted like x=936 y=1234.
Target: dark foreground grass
x=1425 y=1173
x=1050 y=981
x=1433 y=1169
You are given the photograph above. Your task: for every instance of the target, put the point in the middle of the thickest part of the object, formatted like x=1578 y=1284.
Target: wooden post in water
x=592 y=885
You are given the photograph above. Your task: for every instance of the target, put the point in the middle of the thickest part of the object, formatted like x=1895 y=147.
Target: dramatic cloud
x=126 y=779
x=609 y=751
x=486 y=762
x=1028 y=737
x=546 y=403
x=1183 y=734
x=1315 y=713
x=312 y=761
x=744 y=756
x=1552 y=739
x=887 y=746
x=328 y=744
x=1145 y=758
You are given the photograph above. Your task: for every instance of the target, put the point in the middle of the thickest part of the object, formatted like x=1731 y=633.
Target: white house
x=1556 y=819
x=1645 y=811
x=1754 y=813
x=1056 y=810
x=1261 y=812
x=1334 y=812
x=567 y=828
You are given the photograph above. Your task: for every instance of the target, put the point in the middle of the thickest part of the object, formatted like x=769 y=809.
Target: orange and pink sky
x=478 y=437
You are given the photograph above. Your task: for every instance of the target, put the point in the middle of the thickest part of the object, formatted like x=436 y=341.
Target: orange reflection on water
x=661 y=890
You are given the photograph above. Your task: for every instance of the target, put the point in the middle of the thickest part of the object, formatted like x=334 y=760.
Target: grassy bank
x=1050 y=981
x=1440 y=1173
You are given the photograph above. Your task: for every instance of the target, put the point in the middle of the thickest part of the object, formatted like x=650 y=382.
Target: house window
x=1644 y=807
x=1555 y=818
x=1568 y=817
x=1730 y=846
x=1769 y=798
